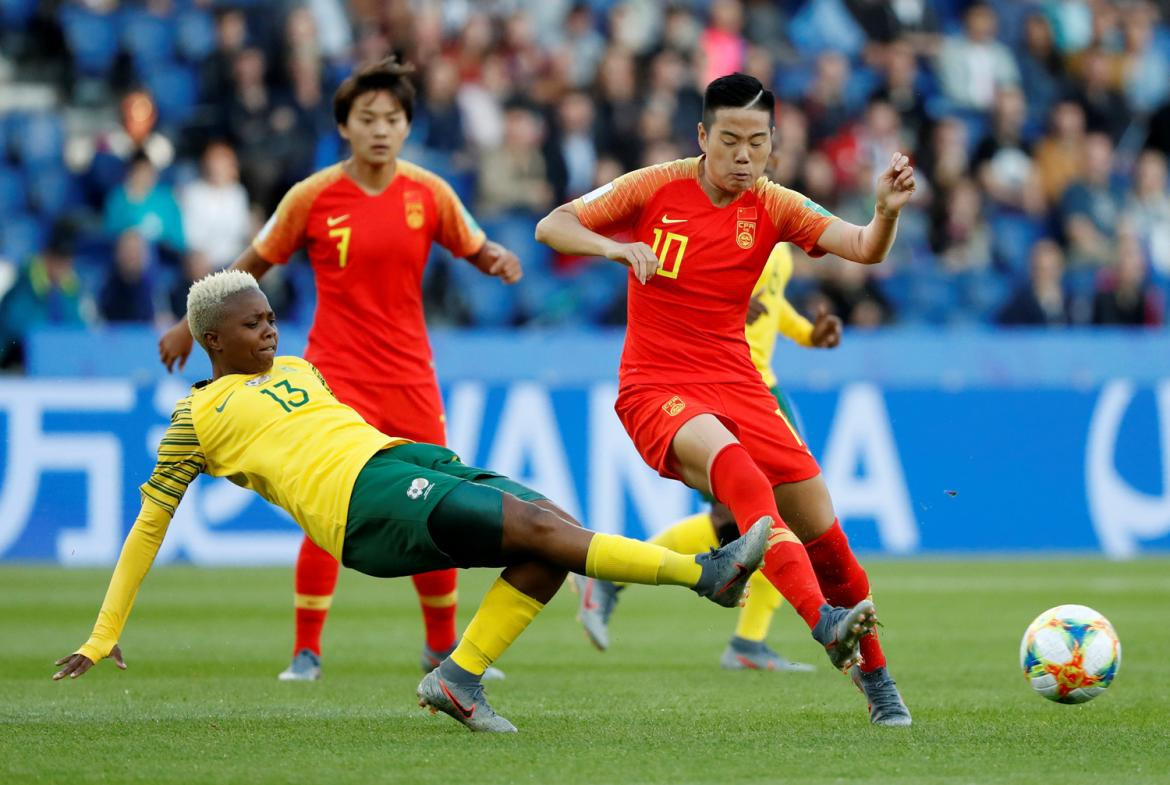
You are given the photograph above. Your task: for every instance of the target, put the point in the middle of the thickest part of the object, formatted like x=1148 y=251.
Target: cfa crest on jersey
x=415 y=212
x=674 y=406
x=745 y=234
x=259 y=380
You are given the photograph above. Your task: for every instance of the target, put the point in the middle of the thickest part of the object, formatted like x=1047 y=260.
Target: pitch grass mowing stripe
x=200 y=702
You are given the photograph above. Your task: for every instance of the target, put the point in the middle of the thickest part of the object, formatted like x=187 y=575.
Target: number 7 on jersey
x=342 y=244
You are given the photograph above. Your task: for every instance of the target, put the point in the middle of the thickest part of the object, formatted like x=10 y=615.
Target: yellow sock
x=762 y=602
x=690 y=535
x=504 y=613
x=620 y=559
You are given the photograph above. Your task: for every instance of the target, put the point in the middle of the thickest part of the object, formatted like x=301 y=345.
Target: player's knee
x=532 y=525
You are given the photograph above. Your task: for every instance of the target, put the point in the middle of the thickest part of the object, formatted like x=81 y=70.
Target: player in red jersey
x=700 y=232
x=367 y=225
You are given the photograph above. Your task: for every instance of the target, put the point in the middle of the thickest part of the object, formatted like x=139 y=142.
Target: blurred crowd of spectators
x=1040 y=131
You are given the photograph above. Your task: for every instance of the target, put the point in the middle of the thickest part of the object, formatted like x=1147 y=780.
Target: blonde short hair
x=207 y=296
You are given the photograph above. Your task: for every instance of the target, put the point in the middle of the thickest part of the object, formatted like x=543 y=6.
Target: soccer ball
x=1070 y=654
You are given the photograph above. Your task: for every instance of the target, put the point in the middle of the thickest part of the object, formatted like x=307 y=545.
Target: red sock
x=437 y=596
x=845 y=583
x=738 y=482
x=316 y=578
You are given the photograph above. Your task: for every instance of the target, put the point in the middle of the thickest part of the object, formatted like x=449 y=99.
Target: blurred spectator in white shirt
x=215 y=208
x=974 y=64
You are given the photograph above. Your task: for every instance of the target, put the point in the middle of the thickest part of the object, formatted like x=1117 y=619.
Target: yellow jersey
x=280 y=433
x=781 y=316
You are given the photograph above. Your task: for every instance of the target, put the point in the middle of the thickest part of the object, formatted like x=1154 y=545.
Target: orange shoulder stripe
x=457 y=230
x=285 y=231
x=800 y=220
x=614 y=202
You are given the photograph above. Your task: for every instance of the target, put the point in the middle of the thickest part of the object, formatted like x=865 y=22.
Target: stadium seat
x=175 y=91
x=543 y=300
x=16 y=14
x=825 y=25
x=793 y=80
x=861 y=84
x=897 y=288
x=1012 y=236
x=53 y=191
x=13 y=198
x=148 y=39
x=37 y=139
x=598 y=287
x=92 y=39
x=489 y=302
x=933 y=297
x=329 y=150
x=194 y=34
x=105 y=173
x=981 y=292
x=517 y=232
x=21 y=237
x=1081 y=281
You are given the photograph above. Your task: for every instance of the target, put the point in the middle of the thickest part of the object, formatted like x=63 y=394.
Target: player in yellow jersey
x=769 y=314
x=379 y=504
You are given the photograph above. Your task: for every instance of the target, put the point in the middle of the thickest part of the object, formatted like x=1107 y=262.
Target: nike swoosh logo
x=666 y=220
x=225 y=400
x=467 y=713
x=741 y=572
x=334 y=221
x=587 y=602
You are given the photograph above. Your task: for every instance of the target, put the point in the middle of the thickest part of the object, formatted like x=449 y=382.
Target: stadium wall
x=932 y=443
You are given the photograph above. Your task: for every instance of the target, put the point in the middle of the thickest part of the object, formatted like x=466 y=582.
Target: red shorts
x=412 y=411
x=652 y=415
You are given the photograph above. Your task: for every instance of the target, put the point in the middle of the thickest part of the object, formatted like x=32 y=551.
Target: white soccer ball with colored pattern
x=1070 y=654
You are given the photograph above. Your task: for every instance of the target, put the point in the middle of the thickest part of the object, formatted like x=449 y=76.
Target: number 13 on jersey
x=669 y=267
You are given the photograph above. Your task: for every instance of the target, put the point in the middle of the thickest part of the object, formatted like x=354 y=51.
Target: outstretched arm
x=869 y=244
x=563 y=231
x=137 y=556
x=180 y=460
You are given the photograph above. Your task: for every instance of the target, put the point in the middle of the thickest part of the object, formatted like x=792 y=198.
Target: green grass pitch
x=200 y=702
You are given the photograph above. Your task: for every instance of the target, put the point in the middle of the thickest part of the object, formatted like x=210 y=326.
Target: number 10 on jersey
x=669 y=267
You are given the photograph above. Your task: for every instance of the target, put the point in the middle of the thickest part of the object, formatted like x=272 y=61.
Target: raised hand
x=78 y=664
x=826 y=332
x=175 y=346
x=895 y=186
x=639 y=256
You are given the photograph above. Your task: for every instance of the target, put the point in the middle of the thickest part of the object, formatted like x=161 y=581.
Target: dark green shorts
x=416 y=508
x=789 y=414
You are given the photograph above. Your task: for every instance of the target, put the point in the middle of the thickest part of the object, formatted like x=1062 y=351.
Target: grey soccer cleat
x=840 y=631
x=467 y=705
x=726 y=570
x=597 y=599
x=886 y=706
x=430 y=659
x=305 y=666
x=744 y=655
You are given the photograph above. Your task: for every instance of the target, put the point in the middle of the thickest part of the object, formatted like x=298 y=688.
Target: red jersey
x=368 y=254
x=686 y=323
